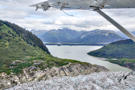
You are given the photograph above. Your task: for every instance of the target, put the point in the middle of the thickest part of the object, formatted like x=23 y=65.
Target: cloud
x=19 y=12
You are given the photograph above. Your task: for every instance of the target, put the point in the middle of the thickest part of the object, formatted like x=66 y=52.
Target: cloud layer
x=19 y=12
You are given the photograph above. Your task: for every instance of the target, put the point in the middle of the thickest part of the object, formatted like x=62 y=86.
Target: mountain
x=123 y=51
x=61 y=36
x=17 y=41
x=68 y=36
x=24 y=58
x=99 y=37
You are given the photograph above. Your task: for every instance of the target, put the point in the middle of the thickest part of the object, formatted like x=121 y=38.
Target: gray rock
x=95 y=81
x=34 y=73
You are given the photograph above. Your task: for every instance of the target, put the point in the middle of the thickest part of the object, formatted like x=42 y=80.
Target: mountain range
x=68 y=36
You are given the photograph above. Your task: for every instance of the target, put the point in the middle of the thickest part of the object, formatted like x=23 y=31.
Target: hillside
x=22 y=33
x=18 y=44
x=119 y=49
x=123 y=52
x=24 y=58
x=68 y=36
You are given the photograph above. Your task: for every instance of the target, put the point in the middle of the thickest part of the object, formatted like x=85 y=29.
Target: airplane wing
x=43 y=5
x=120 y=4
x=95 y=5
x=85 y=4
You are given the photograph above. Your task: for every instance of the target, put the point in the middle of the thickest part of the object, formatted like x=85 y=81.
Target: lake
x=80 y=53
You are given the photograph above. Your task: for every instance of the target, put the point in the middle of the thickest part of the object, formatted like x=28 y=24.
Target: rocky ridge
x=33 y=73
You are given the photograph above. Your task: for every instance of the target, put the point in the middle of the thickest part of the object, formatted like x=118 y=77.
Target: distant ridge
x=68 y=36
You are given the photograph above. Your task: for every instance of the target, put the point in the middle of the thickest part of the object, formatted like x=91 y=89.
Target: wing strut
x=121 y=28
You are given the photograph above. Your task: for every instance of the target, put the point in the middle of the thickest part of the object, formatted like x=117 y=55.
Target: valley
x=24 y=58
x=67 y=45
x=80 y=53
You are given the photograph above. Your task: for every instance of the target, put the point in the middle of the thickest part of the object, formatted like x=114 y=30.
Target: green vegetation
x=21 y=49
x=122 y=52
x=41 y=62
x=119 y=49
x=27 y=36
x=122 y=61
x=130 y=63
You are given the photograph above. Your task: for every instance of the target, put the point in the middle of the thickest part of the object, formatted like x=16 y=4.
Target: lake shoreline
x=123 y=63
x=80 y=53
x=76 y=44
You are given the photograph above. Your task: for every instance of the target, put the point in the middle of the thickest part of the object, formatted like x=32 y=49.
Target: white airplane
x=95 y=5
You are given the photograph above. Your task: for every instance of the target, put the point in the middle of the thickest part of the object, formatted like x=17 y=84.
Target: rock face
x=36 y=74
x=96 y=81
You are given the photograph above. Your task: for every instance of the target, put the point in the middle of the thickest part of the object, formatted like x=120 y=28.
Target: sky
x=20 y=13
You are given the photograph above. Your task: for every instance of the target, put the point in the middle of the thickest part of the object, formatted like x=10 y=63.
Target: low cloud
x=19 y=12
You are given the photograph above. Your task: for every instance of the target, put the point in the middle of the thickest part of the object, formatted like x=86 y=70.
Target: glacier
x=95 y=81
